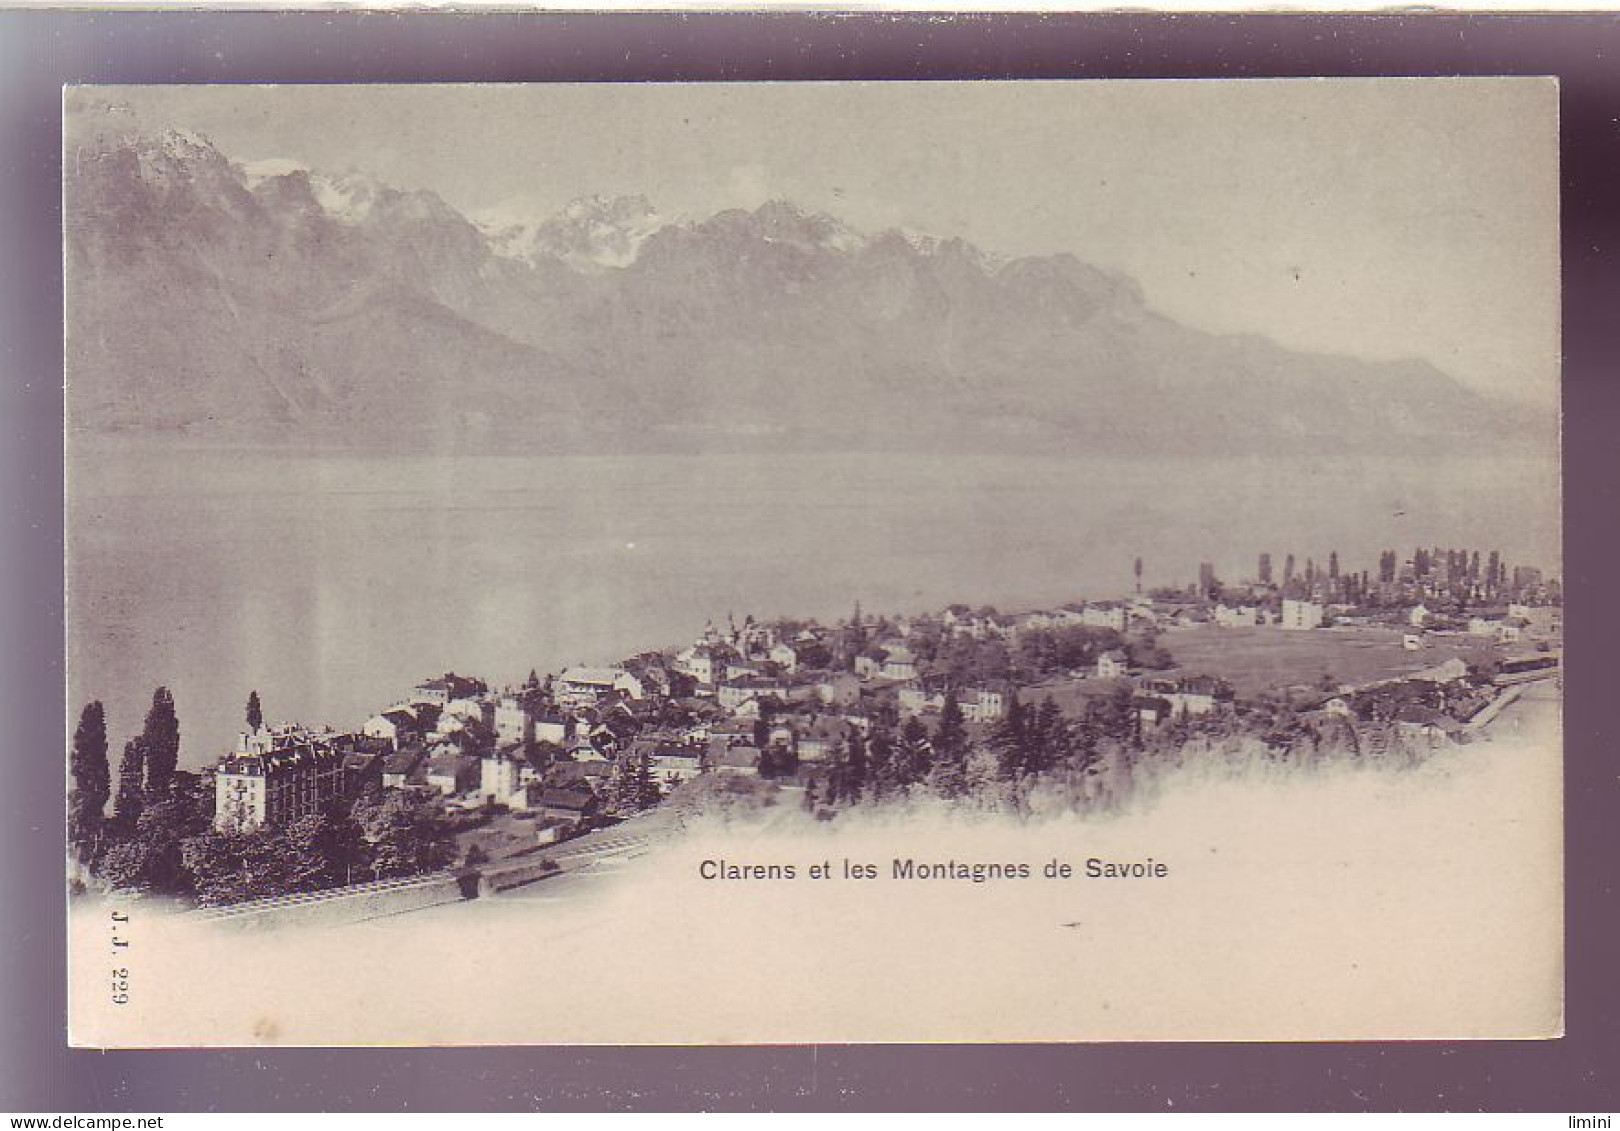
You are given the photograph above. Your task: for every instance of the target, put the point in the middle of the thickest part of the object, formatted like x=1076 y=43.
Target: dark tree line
x=1029 y=741
x=634 y=787
x=369 y=839
x=146 y=774
x=1032 y=740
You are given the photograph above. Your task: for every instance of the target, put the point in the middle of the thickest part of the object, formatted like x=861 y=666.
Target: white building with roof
x=581 y=686
x=1298 y=615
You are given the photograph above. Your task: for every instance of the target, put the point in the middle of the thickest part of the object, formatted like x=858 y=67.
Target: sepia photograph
x=850 y=562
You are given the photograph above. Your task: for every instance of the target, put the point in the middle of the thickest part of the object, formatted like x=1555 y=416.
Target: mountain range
x=277 y=304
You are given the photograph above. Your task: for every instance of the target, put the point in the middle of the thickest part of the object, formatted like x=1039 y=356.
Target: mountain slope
x=283 y=305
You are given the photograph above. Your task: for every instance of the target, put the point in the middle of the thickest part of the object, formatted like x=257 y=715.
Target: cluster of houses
x=1506 y=624
x=759 y=698
x=733 y=703
x=1438 y=706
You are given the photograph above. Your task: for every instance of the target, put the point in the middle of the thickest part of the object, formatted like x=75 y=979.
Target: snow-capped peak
x=783 y=222
x=349 y=198
x=181 y=142
x=589 y=233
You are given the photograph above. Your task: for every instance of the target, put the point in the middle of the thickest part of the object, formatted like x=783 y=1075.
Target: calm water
x=333 y=583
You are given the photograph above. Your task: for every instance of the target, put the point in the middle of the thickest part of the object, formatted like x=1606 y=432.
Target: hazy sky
x=1380 y=218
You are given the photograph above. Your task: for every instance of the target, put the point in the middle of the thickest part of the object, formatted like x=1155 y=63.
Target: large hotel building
x=275 y=776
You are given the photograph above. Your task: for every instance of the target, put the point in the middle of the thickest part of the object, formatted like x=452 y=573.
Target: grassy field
x=1253 y=659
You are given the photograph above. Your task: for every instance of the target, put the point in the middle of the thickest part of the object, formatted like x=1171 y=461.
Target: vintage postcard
x=813 y=562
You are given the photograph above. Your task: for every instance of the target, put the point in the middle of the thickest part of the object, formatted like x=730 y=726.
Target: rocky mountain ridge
x=210 y=299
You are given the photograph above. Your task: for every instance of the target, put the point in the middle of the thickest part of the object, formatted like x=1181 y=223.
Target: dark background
x=39 y=51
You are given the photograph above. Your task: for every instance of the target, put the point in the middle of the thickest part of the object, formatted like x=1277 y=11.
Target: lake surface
x=333 y=583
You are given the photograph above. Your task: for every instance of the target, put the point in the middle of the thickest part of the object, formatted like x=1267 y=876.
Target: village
x=1429 y=650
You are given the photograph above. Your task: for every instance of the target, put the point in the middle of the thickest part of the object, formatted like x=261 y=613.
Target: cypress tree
x=255 y=712
x=161 y=738
x=92 y=779
x=131 y=784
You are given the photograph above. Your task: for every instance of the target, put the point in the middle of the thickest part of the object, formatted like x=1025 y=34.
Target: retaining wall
x=493 y=883
x=346 y=905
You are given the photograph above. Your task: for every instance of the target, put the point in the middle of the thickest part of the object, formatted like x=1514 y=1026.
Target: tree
x=1147 y=651
x=1052 y=739
x=161 y=738
x=1083 y=737
x=399 y=837
x=950 y=749
x=950 y=734
x=92 y=781
x=1138 y=570
x=912 y=756
x=131 y=785
x=1120 y=719
x=777 y=761
x=231 y=867
x=634 y=787
x=150 y=853
x=316 y=850
x=255 y=712
x=848 y=778
x=126 y=866
x=219 y=866
x=815 y=655
x=542 y=755
x=1009 y=741
x=648 y=792
x=882 y=765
